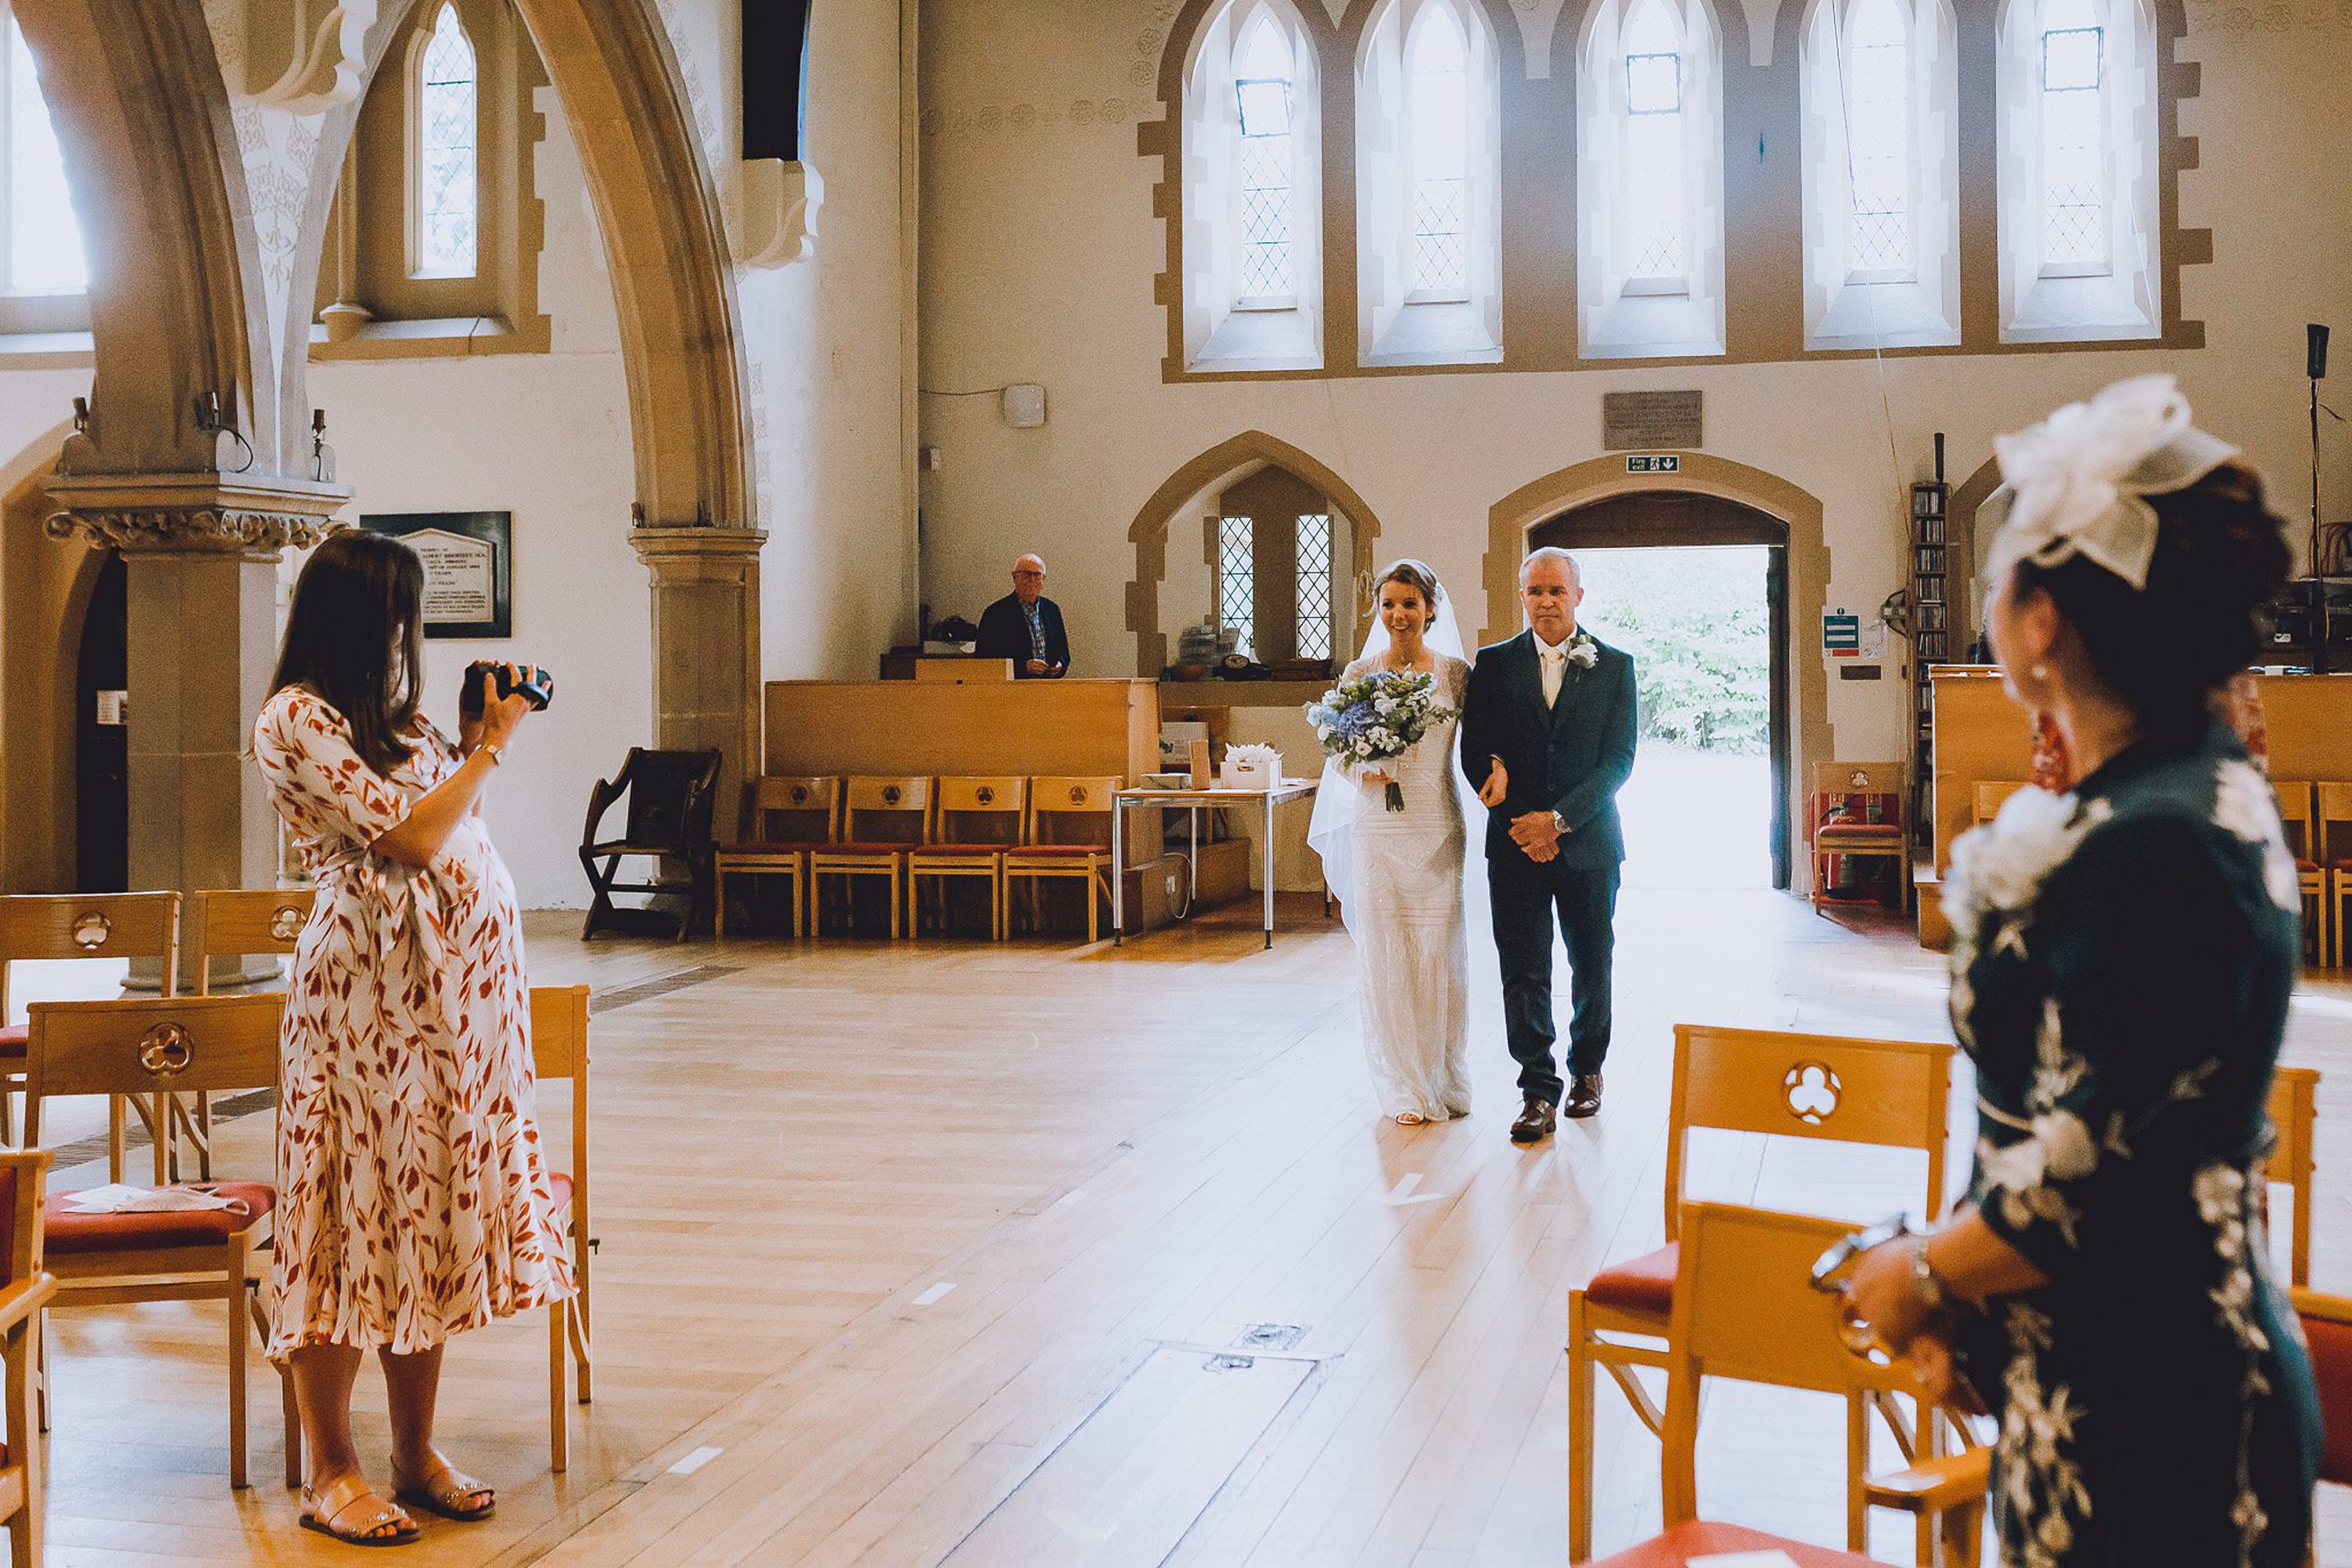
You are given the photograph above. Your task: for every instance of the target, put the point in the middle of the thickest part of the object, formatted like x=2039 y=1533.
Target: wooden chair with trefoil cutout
x=883 y=821
x=1069 y=839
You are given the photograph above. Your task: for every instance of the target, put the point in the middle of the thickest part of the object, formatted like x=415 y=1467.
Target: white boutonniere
x=1583 y=651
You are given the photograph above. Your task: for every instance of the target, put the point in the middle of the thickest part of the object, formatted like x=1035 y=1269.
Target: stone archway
x=1148 y=532
x=45 y=591
x=1512 y=520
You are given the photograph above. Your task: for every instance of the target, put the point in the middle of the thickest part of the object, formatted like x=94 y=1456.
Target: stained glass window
x=1315 y=586
x=1879 y=233
x=1439 y=116
x=447 y=116
x=2074 y=136
x=1654 y=167
x=1261 y=86
x=1237 y=579
x=43 y=249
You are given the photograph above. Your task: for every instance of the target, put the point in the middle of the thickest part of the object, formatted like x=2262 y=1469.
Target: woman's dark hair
x=2220 y=559
x=355 y=635
x=1412 y=574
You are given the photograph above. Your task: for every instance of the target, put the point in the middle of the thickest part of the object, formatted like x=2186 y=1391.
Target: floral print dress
x=2122 y=962
x=413 y=1200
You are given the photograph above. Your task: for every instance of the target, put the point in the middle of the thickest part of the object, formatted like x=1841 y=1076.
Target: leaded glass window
x=1263 y=87
x=449 y=191
x=1237 y=580
x=1656 y=170
x=1879 y=231
x=1315 y=586
x=43 y=250
x=2074 y=136
x=1439 y=115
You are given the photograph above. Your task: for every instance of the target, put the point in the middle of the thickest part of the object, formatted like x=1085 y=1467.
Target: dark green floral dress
x=2122 y=962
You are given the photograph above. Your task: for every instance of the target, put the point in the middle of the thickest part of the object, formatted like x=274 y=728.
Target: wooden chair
x=2295 y=816
x=670 y=799
x=2332 y=821
x=791 y=820
x=1745 y=1308
x=1991 y=795
x=25 y=1289
x=49 y=926
x=979 y=820
x=1068 y=837
x=1885 y=1093
x=2295 y=1114
x=236 y=922
x=1699 y=1541
x=883 y=820
x=1857 y=813
x=558 y=1049
x=148 y=1047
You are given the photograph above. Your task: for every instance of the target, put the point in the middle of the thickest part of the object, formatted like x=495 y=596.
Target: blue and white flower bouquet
x=1378 y=718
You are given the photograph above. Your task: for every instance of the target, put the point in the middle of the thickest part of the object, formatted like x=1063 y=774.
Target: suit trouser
x=1525 y=897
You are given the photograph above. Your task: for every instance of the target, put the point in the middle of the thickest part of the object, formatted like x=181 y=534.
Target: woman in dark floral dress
x=2123 y=956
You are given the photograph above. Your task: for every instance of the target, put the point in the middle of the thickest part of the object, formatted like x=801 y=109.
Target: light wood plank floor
x=922 y=1255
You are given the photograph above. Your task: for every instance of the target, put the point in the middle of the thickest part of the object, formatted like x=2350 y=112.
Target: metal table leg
x=1269 y=858
x=1192 y=861
x=1118 y=872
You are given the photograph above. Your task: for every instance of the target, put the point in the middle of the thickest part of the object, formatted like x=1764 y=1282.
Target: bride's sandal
x=350 y=1512
x=1410 y=1118
x=446 y=1491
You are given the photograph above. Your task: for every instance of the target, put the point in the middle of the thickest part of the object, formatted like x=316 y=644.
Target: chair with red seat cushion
x=2299 y=817
x=1698 y=1539
x=155 y=1047
x=1857 y=813
x=979 y=820
x=25 y=1288
x=791 y=818
x=559 y=1045
x=1891 y=1093
x=1068 y=839
x=2332 y=826
x=883 y=820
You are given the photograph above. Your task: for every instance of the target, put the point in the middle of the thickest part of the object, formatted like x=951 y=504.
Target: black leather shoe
x=1583 y=1096
x=1534 y=1122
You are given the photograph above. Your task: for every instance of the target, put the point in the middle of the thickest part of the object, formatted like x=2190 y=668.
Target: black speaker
x=775 y=77
x=2315 y=351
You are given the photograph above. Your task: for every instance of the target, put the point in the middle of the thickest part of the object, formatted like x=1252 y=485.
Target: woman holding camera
x=413 y=1200
x=2122 y=958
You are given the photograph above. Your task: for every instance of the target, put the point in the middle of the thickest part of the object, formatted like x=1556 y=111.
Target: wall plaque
x=469 y=568
x=1651 y=421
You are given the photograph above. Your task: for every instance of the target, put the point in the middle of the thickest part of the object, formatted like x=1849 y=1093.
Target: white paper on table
x=1773 y=1559
x=117 y=1198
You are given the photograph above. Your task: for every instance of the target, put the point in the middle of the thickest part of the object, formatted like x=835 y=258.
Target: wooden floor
x=1042 y=1254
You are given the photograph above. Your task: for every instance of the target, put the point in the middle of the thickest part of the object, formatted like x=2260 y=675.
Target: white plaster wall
x=1040 y=249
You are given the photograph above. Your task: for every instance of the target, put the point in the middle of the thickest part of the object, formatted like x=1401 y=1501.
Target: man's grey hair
x=1553 y=553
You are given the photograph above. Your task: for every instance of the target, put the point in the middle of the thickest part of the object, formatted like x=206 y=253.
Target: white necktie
x=1555 y=667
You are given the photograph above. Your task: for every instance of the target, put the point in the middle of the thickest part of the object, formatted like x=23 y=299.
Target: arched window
x=2077 y=87
x=1428 y=184
x=1879 y=81
x=1252 y=192
x=1650 y=180
x=447 y=119
x=43 y=254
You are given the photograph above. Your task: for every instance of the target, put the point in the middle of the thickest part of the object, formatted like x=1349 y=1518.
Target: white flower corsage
x=1583 y=651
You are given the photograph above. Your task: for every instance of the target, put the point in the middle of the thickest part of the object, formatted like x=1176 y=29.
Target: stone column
x=707 y=649
x=200 y=553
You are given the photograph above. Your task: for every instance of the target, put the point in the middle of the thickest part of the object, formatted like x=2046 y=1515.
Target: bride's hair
x=1414 y=575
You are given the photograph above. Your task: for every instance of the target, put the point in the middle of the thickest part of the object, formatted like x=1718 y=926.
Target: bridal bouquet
x=1377 y=718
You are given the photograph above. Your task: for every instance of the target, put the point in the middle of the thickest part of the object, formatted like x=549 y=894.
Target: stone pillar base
x=706 y=605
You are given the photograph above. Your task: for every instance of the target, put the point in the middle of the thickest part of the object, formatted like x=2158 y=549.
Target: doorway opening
x=1696 y=588
x=102 y=742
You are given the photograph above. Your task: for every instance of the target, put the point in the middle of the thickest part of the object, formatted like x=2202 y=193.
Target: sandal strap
x=332 y=1507
x=450 y=1486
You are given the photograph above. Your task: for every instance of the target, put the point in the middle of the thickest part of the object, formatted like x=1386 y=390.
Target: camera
x=531 y=683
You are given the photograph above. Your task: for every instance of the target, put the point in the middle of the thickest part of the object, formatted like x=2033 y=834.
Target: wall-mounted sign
x=1655 y=463
x=114 y=708
x=1841 y=634
x=1651 y=421
x=469 y=568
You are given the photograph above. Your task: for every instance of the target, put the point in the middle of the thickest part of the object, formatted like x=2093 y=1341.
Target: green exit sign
x=1655 y=463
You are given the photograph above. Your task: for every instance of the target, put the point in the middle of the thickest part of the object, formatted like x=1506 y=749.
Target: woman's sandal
x=350 y=1512
x=1410 y=1118
x=448 y=1493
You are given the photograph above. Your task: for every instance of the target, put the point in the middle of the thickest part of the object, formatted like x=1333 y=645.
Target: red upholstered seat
x=865 y=849
x=1677 y=1546
x=1644 y=1284
x=1885 y=831
x=981 y=850
x=763 y=849
x=1061 y=849
x=2331 y=1369
x=68 y=1231
x=13 y=1039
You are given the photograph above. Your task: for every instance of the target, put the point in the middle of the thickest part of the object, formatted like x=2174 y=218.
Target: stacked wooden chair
x=791 y=819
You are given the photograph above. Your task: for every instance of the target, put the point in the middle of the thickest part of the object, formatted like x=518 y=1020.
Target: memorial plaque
x=1651 y=421
x=469 y=568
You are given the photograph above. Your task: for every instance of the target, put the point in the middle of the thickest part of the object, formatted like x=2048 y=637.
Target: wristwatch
x=1924 y=1277
x=1559 y=824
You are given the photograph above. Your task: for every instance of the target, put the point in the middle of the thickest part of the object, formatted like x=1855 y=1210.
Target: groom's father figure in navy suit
x=1547 y=734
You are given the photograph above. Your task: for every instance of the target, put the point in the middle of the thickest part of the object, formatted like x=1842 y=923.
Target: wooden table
x=1192 y=801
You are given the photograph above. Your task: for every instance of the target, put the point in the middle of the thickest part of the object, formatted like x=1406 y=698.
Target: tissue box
x=1252 y=767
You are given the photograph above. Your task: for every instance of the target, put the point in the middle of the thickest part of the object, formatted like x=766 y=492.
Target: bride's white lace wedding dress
x=1407 y=919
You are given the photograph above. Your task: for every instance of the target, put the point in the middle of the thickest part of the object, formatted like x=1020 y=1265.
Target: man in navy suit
x=1027 y=628
x=1547 y=732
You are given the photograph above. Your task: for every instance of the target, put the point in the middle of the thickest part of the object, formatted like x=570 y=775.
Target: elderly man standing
x=1027 y=628
x=1548 y=730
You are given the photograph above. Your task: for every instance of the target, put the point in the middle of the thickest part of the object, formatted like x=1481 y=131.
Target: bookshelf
x=1931 y=634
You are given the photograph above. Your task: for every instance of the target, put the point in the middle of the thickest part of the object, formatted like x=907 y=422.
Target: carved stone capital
x=772 y=208
x=697 y=551
x=199 y=528
x=191 y=513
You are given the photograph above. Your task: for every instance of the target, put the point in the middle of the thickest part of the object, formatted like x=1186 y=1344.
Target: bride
x=1398 y=874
